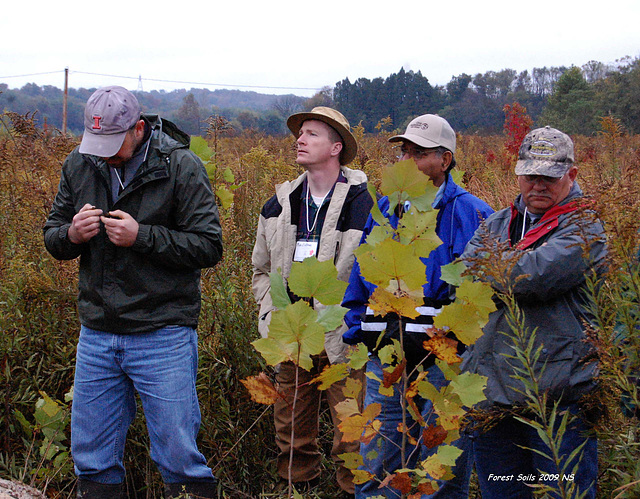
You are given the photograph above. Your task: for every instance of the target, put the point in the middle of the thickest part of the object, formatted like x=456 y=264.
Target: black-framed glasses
x=413 y=152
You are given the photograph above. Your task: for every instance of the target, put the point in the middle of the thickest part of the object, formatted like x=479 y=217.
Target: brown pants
x=306 y=452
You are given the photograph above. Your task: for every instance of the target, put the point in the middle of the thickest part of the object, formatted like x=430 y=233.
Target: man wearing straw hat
x=320 y=214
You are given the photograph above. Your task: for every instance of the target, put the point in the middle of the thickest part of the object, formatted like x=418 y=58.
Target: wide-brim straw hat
x=335 y=120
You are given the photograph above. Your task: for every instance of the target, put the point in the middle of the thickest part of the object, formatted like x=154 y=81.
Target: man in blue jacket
x=431 y=142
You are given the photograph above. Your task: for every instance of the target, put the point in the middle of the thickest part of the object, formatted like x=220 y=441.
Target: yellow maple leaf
x=330 y=375
x=434 y=467
x=444 y=348
x=361 y=476
x=352 y=388
x=399 y=301
x=352 y=460
x=261 y=389
x=347 y=408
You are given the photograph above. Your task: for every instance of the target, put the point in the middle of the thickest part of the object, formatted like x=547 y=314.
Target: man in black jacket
x=136 y=206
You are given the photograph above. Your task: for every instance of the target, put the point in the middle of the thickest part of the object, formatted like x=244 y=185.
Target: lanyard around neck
x=315 y=220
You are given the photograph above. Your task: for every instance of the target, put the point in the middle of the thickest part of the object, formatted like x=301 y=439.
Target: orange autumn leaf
x=361 y=426
x=402 y=482
x=412 y=391
x=389 y=378
x=426 y=488
x=432 y=436
x=444 y=348
x=261 y=389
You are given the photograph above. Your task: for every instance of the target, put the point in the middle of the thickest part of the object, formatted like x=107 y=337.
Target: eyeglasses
x=413 y=152
x=532 y=179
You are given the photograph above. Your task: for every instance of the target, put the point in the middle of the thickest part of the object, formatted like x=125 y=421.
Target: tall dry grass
x=38 y=320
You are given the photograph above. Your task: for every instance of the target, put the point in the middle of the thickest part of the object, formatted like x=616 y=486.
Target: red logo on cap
x=96 y=123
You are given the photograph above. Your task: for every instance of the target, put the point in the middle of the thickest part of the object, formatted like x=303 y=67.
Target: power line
x=33 y=74
x=158 y=80
x=196 y=82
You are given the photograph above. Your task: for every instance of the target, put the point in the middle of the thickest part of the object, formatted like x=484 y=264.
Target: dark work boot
x=88 y=489
x=191 y=490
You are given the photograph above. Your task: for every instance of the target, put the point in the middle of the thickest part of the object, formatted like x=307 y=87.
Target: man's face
x=429 y=161
x=315 y=146
x=131 y=142
x=541 y=193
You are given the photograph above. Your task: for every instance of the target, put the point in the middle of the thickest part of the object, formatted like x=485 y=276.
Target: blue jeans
x=383 y=453
x=505 y=468
x=161 y=366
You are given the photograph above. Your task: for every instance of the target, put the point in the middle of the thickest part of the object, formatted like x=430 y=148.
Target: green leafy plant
x=390 y=258
x=48 y=454
x=223 y=182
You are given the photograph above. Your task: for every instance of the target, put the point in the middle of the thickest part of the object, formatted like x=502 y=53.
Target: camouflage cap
x=545 y=151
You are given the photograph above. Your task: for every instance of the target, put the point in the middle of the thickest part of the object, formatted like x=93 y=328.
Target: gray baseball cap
x=545 y=151
x=110 y=112
x=429 y=130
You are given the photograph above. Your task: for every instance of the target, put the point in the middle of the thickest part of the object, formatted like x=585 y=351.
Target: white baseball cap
x=429 y=130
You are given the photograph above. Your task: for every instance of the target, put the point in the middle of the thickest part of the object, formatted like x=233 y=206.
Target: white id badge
x=305 y=249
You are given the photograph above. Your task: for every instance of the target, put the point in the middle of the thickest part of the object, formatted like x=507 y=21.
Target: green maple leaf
x=424 y=202
x=330 y=318
x=225 y=196
x=419 y=230
x=358 y=356
x=462 y=319
x=273 y=351
x=448 y=454
x=312 y=278
x=380 y=233
x=469 y=387
x=289 y=324
x=478 y=294
x=330 y=375
x=452 y=273
x=228 y=176
x=352 y=460
x=457 y=176
x=376 y=214
x=200 y=147
x=293 y=335
x=278 y=290
x=389 y=261
x=403 y=181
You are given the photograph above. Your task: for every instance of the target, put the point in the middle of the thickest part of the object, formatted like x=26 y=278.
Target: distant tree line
x=569 y=98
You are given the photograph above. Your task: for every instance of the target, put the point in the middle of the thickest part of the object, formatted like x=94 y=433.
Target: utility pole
x=64 y=101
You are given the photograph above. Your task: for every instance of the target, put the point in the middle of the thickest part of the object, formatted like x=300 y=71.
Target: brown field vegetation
x=38 y=318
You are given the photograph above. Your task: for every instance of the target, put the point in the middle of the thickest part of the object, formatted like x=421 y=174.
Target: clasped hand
x=122 y=229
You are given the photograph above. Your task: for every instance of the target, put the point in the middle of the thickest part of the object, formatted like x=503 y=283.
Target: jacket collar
x=549 y=221
x=451 y=190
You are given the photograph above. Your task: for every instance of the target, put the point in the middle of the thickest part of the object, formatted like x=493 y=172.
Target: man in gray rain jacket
x=557 y=245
